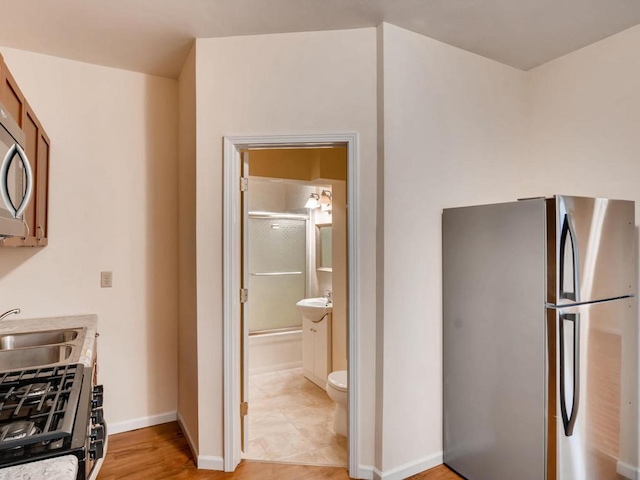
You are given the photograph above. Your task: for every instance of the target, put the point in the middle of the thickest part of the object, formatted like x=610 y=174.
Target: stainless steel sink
x=34 y=356
x=40 y=349
x=34 y=339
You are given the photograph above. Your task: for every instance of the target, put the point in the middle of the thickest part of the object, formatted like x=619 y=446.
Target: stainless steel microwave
x=16 y=178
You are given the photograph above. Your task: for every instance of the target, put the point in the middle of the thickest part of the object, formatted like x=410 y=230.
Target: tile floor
x=290 y=421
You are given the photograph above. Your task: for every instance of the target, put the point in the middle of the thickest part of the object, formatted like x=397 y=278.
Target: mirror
x=323 y=247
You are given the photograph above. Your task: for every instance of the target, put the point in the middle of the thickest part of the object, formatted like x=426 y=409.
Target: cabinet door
x=11 y=96
x=322 y=349
x=30 y=129
x=308 y=339
x=42 y=189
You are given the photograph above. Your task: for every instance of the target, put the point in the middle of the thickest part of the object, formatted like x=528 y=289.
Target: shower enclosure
x=277 y=271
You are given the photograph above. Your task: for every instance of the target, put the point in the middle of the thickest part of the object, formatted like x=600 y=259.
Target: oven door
x=16 y=178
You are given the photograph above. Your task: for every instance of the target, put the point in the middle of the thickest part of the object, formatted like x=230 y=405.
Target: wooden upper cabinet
x=37 y=147
x=42 y=189
x=11 y=96
x=30 y=129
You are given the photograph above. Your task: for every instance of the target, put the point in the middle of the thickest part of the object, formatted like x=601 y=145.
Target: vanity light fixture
x=325 y=200
x=313 y=201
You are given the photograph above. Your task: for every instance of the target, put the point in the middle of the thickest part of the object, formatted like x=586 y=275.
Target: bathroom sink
x=33 y=357
x=35 y=339
x=314 y=308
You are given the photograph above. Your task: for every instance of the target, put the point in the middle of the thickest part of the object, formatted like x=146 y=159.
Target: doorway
x=290 y=257
x=272 y=374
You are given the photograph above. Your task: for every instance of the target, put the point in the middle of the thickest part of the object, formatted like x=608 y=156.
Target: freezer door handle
x=569 y=420
x=569 y=284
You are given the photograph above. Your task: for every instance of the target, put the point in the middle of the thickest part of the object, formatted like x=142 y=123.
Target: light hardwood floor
x=161 y=452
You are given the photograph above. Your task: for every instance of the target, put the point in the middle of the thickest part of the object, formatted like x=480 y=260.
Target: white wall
x=280 y=84
x=585 y=119
x=454 y=130
x=112 y=197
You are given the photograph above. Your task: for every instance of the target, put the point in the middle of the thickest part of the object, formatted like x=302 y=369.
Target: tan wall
x=318 y=82
x=305 y=164
x=113 y=206
x=187 y=328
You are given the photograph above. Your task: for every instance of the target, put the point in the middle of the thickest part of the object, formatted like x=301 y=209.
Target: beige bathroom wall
x=112 y=206
x=306 y=164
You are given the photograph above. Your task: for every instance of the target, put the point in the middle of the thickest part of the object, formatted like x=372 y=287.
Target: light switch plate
x=106 y=279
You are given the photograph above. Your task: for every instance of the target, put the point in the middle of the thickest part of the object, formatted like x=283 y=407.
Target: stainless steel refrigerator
x=540 y=340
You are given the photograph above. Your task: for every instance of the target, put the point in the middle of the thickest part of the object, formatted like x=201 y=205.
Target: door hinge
x=244 y=295
x=244 y=184
x=244 y=408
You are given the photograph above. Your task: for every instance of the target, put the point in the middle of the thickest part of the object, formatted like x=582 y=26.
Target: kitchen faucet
x=9 y=312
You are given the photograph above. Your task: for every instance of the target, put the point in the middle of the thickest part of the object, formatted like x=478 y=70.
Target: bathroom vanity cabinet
x=316 y=350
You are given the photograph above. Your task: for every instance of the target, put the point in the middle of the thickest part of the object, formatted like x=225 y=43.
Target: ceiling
x=154 y=36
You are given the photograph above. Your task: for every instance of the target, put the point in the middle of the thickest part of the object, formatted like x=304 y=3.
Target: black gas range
x=50 y=412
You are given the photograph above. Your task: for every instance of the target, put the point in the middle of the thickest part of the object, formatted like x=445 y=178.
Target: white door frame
x=232 y=214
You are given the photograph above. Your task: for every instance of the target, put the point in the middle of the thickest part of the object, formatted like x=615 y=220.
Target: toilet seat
x=338 y=380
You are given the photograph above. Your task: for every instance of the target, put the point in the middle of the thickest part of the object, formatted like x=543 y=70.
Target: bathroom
x=296 y=244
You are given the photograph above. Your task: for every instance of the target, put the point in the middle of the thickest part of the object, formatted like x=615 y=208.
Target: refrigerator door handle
x=569 y=420
x=567 y=235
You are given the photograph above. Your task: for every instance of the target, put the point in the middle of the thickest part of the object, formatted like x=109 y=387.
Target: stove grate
x=48 y=397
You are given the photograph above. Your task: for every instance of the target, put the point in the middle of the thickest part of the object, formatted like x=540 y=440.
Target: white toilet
x=337 y=391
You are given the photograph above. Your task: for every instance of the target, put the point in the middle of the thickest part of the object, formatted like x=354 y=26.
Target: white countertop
x=90 y=322
x=59 y=468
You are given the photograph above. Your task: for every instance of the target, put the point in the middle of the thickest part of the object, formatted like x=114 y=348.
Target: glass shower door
x=277 y=272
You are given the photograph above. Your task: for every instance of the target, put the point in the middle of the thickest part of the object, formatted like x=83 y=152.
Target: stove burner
x=33 y=389
x=19 y=429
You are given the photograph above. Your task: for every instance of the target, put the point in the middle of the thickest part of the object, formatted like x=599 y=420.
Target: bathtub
x=272 y=351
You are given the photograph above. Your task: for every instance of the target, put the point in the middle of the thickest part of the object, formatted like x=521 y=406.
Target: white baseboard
x=408 y=469
x=142 y=422
x=203 y=462
x=187 y=434
x=209 y=462
x=365 y=472
x=628 y=471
